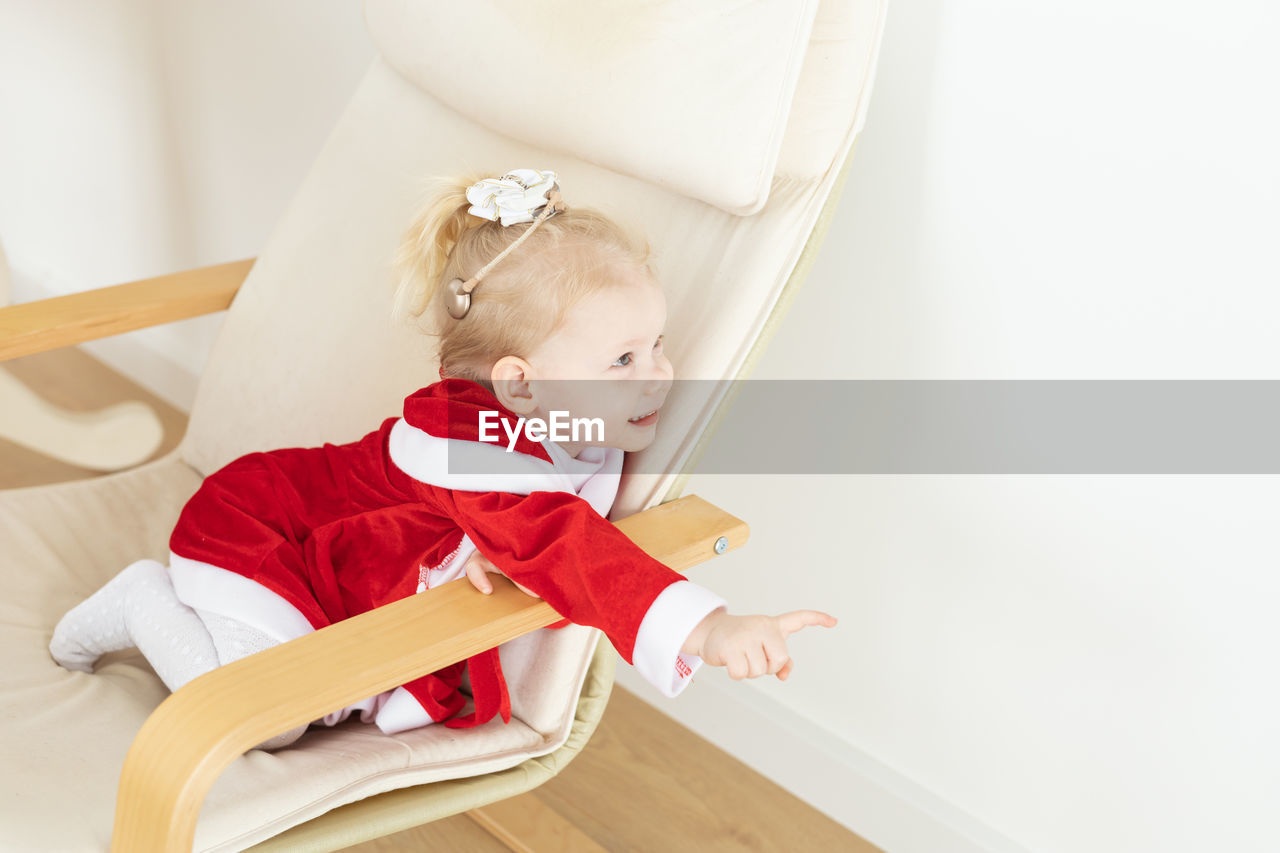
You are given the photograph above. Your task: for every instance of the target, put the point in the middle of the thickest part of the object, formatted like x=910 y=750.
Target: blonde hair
x=525 y=297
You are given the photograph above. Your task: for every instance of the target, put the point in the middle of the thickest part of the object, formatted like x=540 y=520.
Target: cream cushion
x=742 y=98
x=555 y=74
x=70 y=538
x=306 y=356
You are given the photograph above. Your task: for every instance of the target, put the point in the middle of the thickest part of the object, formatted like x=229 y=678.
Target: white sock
x=137 y=607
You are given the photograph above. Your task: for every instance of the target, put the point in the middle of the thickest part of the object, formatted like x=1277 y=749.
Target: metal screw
x=722 y=545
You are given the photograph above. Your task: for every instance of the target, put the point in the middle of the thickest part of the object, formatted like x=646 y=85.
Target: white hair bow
x=513 y=198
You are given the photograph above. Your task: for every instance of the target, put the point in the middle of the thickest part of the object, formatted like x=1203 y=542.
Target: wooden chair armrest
x=196 y=732
x=47 y=324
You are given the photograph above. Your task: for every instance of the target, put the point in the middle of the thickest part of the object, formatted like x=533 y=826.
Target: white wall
x=141 y=137
x=87 y=173
x=1042 y=191
x=1076 y=663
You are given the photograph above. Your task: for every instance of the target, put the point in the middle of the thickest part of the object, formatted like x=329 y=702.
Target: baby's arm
x=682 y=626
x=559 y=548
x=750 y=646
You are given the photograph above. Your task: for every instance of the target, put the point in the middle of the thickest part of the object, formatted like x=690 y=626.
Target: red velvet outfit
x=292 y=540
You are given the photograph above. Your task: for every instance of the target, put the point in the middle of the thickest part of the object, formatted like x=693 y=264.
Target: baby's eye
x=623 y=360
x=658 y=342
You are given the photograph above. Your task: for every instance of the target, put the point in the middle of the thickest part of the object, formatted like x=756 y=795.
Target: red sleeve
x=558 y=546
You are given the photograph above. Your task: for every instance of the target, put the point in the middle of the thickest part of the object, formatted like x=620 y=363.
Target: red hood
x=451 y=408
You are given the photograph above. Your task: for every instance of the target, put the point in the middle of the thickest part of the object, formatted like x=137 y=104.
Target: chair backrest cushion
x=693 y=97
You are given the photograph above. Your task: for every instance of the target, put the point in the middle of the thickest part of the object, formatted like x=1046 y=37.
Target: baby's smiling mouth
x=643 y=419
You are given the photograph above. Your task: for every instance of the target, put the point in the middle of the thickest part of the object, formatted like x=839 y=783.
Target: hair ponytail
x=428 y=241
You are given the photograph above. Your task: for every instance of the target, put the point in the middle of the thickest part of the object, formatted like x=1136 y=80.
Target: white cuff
x=401 y=712
x=668 y=623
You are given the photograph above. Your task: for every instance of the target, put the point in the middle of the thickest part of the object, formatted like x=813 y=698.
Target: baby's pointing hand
x=478 y=565
x=751 y=646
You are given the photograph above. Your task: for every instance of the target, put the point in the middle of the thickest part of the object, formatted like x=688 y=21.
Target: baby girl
x=540 y=309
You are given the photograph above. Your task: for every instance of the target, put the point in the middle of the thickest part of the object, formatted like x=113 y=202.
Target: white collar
x=475 y=466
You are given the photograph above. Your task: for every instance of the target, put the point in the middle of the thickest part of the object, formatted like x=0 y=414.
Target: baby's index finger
x=791 y=622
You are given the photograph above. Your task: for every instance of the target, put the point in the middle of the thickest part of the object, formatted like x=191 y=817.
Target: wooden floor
x=642 y=783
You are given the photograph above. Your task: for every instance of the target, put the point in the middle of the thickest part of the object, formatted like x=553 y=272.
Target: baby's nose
x=658 y=383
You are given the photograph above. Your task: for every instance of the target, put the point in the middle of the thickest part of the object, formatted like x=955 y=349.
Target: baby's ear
x=510 y=378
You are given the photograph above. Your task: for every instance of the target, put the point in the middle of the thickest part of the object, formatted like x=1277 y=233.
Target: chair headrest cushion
x=692 y=97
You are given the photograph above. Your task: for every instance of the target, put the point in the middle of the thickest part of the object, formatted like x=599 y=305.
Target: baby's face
x=606 y=362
